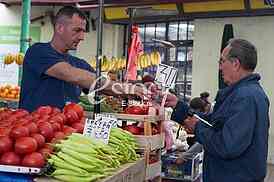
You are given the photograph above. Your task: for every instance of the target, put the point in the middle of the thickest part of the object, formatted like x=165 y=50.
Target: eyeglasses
x=222 y=60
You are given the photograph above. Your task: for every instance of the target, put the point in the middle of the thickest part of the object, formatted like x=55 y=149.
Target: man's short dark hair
x=245 y=51
x=68 y=11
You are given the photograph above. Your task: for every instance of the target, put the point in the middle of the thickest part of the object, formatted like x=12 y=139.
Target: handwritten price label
x=100 y=127
x=166 y=76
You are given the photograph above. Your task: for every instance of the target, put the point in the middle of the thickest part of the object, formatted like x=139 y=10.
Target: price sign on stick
x=100 y=127
x=166 y=75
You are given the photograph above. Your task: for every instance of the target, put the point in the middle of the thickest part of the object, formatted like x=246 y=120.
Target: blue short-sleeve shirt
x=38 y=88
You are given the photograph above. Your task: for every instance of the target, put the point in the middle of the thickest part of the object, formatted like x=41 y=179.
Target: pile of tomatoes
x=139 y=110
x=25 y=138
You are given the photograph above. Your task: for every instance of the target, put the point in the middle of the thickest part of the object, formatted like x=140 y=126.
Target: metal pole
x=186 y=63
x=129 y=27
x=131 y=16
x=25 y=29
x=99 y=54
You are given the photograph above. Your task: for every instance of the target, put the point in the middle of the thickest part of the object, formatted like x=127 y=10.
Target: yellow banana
x=9 y=58
x=141 y=60
x=152 y=58
x=138 y=63
x=148 y=61
x=158 y=57
x=124 y=65
x=111 y=64
x=19 y=58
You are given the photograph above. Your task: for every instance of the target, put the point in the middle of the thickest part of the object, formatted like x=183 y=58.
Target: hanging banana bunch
x=9 y=59
x=92 y=62
x=155 y=58
x=19 y=58
x=113 y=64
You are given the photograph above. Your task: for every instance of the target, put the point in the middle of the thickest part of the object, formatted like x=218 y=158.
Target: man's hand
x=190 y=123
x=171 y=100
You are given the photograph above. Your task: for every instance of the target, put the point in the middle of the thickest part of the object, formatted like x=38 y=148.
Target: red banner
x=135 y=49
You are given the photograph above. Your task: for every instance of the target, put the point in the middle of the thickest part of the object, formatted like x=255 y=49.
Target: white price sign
x=166 y=75
x=100 y=127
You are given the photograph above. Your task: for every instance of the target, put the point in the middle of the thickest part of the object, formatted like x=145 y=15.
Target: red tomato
x=55 y=111
x=40 y=139
x=63 y=117
x=5 y=114
x=4 y=131
x=45 y=152
x=71 y=116
x=83 y=120
x=59 y=135
x=19 y=131
x=58 y=119
x=32 y=127
x=77 y=108
x=44 y=110
x=5 y=123
x=68 y=130
x=35 y=116
x=20 y=122
x=46 y=130
x=56 y=126
x=44 y=117
x=12 y=118
x=21 y=113
x=25 y=145
x=10 y=158
x=34 y=159
x=134 y=129
x=30 y=118
x=135 y=110
x=49 y=146
x=6 y=144
x=68 y=107
x=79 y=127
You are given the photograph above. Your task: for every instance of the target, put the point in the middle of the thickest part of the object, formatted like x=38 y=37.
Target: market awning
x=164 y=10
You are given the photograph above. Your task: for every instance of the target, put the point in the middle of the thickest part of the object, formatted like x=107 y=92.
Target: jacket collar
x=223 y=93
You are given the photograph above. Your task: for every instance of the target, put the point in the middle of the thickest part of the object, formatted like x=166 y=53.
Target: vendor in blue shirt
x=53 y=77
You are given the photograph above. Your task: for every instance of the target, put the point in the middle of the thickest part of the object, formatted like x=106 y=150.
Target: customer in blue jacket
x=236 y=146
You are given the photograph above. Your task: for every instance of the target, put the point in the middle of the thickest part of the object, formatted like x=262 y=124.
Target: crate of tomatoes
x=26 y=138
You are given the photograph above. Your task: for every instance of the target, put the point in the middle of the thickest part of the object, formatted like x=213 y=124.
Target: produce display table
x=150 y=145
x=131 y=172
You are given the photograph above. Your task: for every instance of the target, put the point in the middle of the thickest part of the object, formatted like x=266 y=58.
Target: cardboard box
x=189 y=170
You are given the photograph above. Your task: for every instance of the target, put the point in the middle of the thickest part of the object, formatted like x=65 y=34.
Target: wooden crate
x=131 y=117
x=151 y=143
x=153 y=170
x=131 y=172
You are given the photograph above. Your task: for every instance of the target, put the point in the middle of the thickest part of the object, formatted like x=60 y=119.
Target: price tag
x=100 y=127
x=166 y=76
